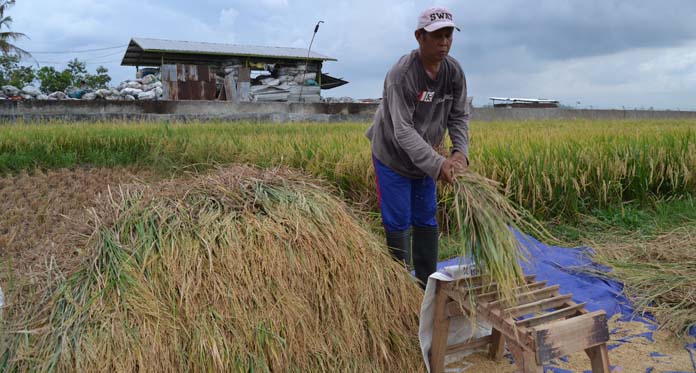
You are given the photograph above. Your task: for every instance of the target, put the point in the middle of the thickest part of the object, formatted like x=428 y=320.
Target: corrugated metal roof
x=190 y=47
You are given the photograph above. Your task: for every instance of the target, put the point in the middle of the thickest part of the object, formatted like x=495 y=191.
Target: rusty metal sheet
x=168 y=73
x=186 y=72
x=191 y=72
x=170 y=90
x=204 y=74
x=188 y=82
x=183 y=72
x=174 y=90
x=208 y=90
x=184 y=91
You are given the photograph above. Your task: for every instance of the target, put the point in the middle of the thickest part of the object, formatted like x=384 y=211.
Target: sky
x=587 y=54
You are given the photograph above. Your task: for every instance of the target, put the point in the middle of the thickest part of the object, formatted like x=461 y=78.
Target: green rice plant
x=557 y=170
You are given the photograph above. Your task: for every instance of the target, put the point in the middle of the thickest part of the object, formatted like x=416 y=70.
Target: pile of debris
x=148 y=87
x=283 y=83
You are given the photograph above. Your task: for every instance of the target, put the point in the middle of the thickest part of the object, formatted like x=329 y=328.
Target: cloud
x=274 y=4
x=604 y=53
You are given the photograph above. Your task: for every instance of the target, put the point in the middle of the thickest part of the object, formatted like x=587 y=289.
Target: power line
x=78 y=51
x=88 y=61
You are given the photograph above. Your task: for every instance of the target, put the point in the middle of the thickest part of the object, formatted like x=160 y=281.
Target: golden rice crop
x=555 y=169
x=481 y=221
x=239 y=270
x=660 y=275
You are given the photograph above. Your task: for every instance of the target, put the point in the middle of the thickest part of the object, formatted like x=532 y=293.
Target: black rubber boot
x=424 y=252
x=400 y=246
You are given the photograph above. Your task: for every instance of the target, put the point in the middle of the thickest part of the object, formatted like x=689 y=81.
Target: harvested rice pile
x=239 y=270
x=660 y=275
x=40 y=214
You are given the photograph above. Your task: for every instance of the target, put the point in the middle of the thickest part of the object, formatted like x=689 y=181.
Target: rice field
x=51 y=219
x=553 y=169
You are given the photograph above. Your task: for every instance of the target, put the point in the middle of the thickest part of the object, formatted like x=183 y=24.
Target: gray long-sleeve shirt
x=414 y=114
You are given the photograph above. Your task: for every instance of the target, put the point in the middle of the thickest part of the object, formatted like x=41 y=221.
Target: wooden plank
x=438 y=347
x=570 y=303
x=493 y=287
x=525 y=361
x=530 y=296
x=479 y=280
x=497 y=348
x=243 y=91
x=599 y=358
x=473 y=280
x=537 y=306
x=512 y=334
x=453 y=309
x=469 y=345
x=564 y=337
x=230 y=88
x=551 y=316
x=493 y=295
x=244 y=74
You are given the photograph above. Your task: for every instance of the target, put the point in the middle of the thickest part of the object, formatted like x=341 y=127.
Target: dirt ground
x=43 y=213
x=631 y=351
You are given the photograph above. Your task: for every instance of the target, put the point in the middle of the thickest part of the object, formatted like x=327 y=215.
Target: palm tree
x=6 y=37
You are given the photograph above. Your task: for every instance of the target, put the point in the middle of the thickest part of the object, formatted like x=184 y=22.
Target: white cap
x=435 y=18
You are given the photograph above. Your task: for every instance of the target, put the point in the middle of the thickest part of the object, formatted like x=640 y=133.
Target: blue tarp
x=575 y=272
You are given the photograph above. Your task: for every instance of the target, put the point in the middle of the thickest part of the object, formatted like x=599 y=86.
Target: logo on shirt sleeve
x=426 y=96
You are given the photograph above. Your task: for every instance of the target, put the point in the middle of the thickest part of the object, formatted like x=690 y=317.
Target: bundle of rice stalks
x=482 y=219
x=659 y=276
x=241 y=270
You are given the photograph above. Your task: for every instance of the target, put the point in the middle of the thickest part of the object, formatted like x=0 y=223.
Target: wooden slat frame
x=566 y=329
x=551 y=316
x=564 y=337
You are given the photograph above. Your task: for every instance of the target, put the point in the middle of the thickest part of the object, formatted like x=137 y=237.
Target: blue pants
x=404 y=201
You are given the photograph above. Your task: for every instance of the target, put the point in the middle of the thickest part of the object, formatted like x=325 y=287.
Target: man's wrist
x=458 y=154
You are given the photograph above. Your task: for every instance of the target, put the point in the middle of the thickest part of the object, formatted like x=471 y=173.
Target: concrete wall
x=184 y=111
x=277 y=112
x=519 y=114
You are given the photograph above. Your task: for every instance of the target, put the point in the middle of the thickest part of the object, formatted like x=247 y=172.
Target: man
x=424 y=95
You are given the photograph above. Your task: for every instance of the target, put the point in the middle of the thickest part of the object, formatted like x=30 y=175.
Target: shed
x=219 y=58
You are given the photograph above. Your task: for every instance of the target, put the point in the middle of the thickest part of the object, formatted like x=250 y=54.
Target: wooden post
x=243 y=84
x=525 y=361
x=229 y=87
x=440 y=330
x=497 y=345
x=599 y=358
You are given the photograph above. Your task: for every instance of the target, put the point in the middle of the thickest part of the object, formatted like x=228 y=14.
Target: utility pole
x=316 y=28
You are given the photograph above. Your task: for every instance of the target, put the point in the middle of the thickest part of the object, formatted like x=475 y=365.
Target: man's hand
x=461 y=158
x=453 y=166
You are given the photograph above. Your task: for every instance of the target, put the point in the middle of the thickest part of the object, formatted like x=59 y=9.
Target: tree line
x=12 y=72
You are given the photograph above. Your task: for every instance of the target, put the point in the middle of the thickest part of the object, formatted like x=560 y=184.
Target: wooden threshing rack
x=563 y=328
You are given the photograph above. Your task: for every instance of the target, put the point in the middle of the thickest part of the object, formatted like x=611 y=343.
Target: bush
x=75 y=75
x=13 y=74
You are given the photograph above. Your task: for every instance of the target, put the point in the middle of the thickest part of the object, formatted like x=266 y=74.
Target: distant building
x=215 y=71
x=500 y=102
